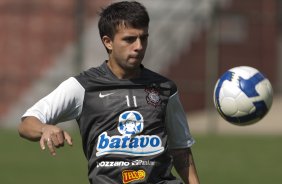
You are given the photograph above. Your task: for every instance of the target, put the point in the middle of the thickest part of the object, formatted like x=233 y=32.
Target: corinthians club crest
x=153 y=97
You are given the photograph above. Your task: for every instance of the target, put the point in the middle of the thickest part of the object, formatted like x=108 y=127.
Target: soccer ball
x=242 y=95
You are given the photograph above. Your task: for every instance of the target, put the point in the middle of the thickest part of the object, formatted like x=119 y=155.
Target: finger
x=60 y=138
x=42 y=143
x=55 y=141
x=51 y=147
x=68 y=138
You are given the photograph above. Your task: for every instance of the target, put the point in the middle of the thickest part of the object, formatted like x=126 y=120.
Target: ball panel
x=248 y=85
x=229 y=89
x=244 y=71
x=244 y=104
x=265 y=92
x=228 y=106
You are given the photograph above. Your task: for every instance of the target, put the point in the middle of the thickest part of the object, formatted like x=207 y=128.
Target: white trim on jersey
x=62 y=104
x=177 y=126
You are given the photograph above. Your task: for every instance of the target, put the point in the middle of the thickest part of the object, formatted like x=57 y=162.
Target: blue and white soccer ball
x=242 y=95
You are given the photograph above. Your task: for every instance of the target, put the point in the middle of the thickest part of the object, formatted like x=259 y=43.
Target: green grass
x=22 y=161
x=239 y=159
x=219 y=160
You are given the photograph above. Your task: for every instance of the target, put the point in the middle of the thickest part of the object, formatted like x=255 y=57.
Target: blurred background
x=192 y=42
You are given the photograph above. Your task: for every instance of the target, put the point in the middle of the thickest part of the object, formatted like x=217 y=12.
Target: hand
x=54 y=137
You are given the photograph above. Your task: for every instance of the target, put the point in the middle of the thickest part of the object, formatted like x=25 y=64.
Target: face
x=127 y=49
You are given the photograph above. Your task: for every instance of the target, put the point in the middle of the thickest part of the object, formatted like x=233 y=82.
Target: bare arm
x=33 y=129
x=184 y=164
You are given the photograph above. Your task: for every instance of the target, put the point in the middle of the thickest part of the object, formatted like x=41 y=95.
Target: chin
x=134 y=63
x=133 y=66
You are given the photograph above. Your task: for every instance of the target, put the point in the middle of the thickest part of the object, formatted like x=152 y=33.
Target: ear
x=107 y=42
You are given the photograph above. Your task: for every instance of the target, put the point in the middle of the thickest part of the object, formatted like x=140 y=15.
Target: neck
x=121 y=73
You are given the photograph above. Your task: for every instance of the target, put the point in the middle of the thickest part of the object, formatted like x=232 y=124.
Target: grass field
x=219 y=159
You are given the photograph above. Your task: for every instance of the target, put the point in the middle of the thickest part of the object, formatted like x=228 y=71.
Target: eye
x=130 y=39
x=144 y=37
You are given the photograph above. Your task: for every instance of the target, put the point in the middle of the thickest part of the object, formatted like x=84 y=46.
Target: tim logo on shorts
x=130 y=142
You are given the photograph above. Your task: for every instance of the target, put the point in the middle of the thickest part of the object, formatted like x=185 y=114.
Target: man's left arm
x=180 y=140
x=183 y=162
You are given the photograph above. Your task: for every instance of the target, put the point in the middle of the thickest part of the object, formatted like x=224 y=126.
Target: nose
x=138 y=44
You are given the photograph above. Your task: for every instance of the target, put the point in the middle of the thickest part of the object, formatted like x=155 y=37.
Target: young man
x=131 y=121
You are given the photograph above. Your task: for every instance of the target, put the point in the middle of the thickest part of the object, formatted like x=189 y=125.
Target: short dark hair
x=130 y=14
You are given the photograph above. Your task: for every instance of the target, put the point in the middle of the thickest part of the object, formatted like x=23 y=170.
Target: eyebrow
x=145 y=35
x=142 y=35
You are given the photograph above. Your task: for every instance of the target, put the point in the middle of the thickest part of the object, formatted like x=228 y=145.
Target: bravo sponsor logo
x=131 y=175
x=129 y=143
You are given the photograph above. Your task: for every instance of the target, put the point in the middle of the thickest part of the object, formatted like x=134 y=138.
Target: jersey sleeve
x=62 y=104
x=177 y=126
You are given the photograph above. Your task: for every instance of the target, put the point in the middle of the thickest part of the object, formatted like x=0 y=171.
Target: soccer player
x=132 y=123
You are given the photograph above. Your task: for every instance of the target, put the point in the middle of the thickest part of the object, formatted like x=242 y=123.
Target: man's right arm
x=39 y=122
x=51 y=136
x=31 y=128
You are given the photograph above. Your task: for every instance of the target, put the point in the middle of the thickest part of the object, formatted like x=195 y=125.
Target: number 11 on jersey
x=128 y=101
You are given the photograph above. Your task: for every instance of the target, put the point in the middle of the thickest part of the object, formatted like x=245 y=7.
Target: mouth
x=135 y=60
x=136 y=57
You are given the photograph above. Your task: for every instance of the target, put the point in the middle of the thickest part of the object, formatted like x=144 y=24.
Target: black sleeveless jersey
x=122 y=124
